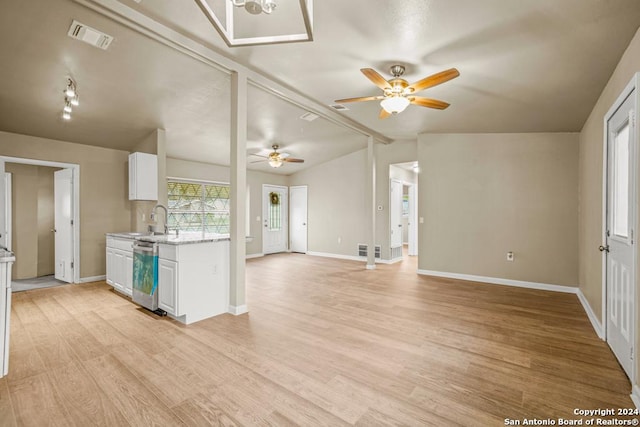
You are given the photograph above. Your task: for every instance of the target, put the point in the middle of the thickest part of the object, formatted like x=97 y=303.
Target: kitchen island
x=193 y=272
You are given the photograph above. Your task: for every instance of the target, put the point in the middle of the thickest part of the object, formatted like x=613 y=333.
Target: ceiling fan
x=276 y=159
x=398 y=93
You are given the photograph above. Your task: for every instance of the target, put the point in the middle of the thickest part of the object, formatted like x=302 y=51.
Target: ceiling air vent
x=339 y=107
x=89 y=35
x=308 y=116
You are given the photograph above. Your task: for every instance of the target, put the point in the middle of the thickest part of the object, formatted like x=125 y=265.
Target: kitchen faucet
x=166 y=216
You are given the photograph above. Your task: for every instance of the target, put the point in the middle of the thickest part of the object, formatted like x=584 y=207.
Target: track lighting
x=71 y=99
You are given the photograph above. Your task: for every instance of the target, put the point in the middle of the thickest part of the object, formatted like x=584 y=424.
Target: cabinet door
x=110 y=266
x=168 y=286
x=128 y=273
x=118 y=270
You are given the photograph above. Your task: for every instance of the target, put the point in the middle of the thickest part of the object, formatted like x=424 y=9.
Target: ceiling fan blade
x=376 y=78
x=292 y=160
x=258 y=155
x=363 y=98
x=433 y=80
x=383 y=114
x=426 y=102
x=258 y=161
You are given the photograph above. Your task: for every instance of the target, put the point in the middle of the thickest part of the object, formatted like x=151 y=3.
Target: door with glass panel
x=275 y=218
x=620 y=239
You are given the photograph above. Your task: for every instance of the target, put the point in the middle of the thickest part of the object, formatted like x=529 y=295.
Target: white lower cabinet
x=168 y=286
x=120 y=264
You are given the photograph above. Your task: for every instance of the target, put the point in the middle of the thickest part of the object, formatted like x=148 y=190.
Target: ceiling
x=526 y=66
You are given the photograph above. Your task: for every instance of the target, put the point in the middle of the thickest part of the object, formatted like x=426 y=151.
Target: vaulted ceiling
x=526 y=66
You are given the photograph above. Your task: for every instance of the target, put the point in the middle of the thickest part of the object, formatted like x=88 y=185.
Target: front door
x=275 y=215
x=298 y=218
x=621 y=214
x=63 y=213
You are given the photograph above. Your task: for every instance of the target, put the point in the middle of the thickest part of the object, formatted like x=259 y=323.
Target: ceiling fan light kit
x=398 y=93
x=395 y=104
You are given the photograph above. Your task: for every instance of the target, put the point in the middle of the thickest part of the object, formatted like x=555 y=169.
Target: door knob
x=603 y=248
x=304 y=223
x=53 y=230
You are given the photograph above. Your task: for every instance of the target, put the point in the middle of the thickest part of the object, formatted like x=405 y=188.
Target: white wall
x=336 y=204
x=483 y=195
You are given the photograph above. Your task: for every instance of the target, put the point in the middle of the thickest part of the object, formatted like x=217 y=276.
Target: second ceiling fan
x=398 y=93
x=276 y=159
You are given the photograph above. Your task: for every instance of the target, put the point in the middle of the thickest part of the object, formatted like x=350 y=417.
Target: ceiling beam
x=141 y=23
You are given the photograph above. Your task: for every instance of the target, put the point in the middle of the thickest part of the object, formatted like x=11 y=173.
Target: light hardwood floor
x=326 y=342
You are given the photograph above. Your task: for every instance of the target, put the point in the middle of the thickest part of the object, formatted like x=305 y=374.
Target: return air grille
x=89 y=35
x=339 y=107
x=363 y=250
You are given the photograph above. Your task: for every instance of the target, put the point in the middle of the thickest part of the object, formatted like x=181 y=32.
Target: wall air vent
x=89 y=35
x=339 y=107
x=363 y=250
x=308 y=116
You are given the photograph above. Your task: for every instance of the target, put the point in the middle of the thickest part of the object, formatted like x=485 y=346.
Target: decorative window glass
x=275 y=212
x=198 y=207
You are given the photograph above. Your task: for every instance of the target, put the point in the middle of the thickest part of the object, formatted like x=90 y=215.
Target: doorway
x=619 y=249
x=403 y=210
x=298 y=218
x=275 y=215
x=38 y=210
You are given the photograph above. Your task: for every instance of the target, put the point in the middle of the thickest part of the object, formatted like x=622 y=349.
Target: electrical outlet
x=144 y=216
x=258 y=218
x=421 y=220
x=510 y=256
x=339 y=240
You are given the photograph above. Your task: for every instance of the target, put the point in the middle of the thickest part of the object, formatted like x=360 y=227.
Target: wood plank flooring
x=326 y=342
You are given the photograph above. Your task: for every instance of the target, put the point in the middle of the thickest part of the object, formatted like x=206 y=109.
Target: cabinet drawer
x=121 y=244
x=169 y=252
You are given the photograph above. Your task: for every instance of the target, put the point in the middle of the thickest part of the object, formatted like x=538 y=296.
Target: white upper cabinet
x=143 y=176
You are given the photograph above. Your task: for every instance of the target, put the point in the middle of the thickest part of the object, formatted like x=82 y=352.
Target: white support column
x=238 y=199
x=371 y=203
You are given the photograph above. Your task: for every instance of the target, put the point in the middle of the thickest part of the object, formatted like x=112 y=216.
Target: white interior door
x=621 y=214
x=413 y=221
x=298 y=218
x=395 y=213
x=63 y=199
x=275 y=216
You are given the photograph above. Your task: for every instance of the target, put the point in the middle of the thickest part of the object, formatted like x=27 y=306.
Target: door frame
x=632 y=86
x=294 y=187
x=413 y=218
x=285 y=217
x=75 y=173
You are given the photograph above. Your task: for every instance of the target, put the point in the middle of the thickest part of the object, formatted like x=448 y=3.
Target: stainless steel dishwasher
x=145 y=275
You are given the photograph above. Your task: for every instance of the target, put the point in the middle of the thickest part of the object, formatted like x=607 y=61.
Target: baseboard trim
x=337 y=256
x=238 y=310
x=92 y=279
x=635 y=396
x=389 y=261
x=353 y=257
x=597 y=326
x=499 y=281
x=250 y=256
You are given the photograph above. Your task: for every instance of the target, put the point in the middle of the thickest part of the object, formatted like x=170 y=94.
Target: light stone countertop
x=172 y=239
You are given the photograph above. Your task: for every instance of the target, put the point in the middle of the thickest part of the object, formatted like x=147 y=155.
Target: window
x=198 y=206
x=621 y=182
